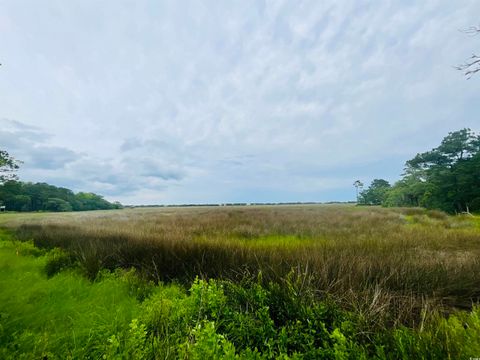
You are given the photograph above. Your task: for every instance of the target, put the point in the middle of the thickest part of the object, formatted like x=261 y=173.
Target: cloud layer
x=150 y=102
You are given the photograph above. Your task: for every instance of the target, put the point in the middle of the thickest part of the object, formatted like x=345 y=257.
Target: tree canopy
x=446 y=178
x=376 y=193
x=8 y=167
x=25 y=196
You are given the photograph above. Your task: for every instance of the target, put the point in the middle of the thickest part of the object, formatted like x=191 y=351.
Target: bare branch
x=471 y=66
x=472 y=30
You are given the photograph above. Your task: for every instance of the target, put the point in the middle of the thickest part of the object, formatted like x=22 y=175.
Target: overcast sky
x=153 y=102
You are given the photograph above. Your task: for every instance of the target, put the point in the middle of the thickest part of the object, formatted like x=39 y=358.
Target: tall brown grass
x=382 y=263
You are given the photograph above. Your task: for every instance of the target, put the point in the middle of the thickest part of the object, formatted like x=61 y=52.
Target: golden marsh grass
x=389 y=262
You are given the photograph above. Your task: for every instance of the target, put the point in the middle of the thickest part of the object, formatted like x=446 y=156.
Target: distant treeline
x=446 y=178
x=245 y=204
x=26 y=196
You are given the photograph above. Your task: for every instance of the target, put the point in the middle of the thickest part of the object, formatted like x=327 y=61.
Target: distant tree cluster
x=445 y=178
x=25 y=196
x=376 y=193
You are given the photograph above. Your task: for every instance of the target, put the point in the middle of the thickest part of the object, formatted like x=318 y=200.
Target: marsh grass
x=64 y=316
x=389 y=266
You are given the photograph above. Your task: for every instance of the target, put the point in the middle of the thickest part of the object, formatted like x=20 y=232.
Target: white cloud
x=166 y=102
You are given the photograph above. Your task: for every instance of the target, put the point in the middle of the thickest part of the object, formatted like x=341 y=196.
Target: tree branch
x=472 y=65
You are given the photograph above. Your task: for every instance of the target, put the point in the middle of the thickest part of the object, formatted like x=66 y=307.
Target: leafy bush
x=132 y=345
x=58 y=260
x=205 y=343
x=137 y=286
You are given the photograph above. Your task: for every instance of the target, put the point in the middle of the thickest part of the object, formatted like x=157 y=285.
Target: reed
x=388 y=264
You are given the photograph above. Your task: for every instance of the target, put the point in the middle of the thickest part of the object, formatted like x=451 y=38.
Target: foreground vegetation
x=119 y=316
x=253 y=282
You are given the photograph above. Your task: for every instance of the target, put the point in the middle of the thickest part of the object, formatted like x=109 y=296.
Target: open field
x=404 y=258
x=384 y=269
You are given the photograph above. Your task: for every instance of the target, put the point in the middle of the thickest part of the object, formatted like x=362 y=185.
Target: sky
x=171 y=102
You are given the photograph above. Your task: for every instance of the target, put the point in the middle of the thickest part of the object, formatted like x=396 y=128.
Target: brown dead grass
x=381 y=263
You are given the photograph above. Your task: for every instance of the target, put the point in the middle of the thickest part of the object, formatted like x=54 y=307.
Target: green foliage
x=221 y=319
x=137 y=286
x=393 y=256
x=205 y=343
x=407 y=192
x=56 y=261
x=21 y=196
x=8 y=166
x=54 y=204
x=91 y=201
x=133 y=344
x=444 y=178
x=454 y=337
x=376 y=194
x=349 y=252
x=65 y=316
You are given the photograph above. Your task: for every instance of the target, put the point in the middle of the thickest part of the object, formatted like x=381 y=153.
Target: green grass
x=394 y=261
x=119 y=316
x=66 y=315
x=279 y=282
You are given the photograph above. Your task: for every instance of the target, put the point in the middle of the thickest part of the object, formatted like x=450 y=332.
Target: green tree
x=376 y=192
x=21 y=203
x=91 y=201
x=446 y=171
x=407 y=192
x=8 y=166
x=21 y=196
x=55 y=204
x=445 y=177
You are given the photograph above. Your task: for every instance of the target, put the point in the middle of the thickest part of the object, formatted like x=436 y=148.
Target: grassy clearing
x=279 y=282
x=119 y=316
x=66 y=314
x=389 y=264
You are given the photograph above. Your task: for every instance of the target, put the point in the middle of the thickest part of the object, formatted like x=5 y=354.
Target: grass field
x=293 y=281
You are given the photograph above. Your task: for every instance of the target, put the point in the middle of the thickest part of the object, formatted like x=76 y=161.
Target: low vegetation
x=246 y=282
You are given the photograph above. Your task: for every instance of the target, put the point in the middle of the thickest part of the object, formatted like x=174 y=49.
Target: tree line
x=26 y=196
x=445 y=178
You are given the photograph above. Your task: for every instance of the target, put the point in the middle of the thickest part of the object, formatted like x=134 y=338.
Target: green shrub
x=138 y=287
x=58 y=260
x=134 y=344
x=204 y=343
x=454 y=337
x=26 y=248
